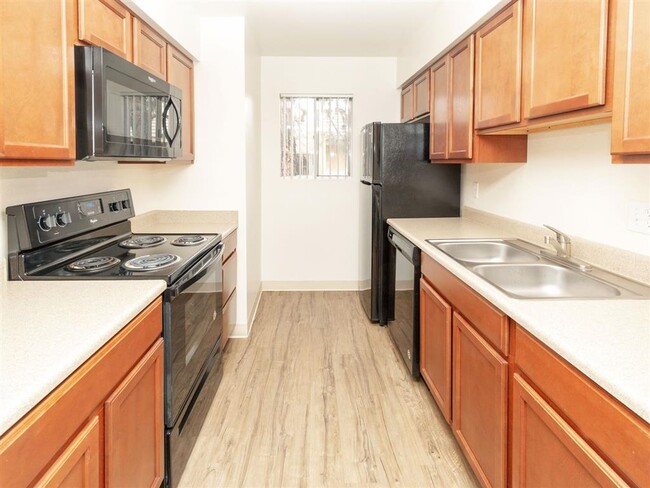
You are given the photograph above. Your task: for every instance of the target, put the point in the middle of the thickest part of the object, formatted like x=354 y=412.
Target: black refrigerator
x=398 y=182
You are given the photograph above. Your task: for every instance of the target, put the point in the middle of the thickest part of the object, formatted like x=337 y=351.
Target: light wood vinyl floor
x=318 y=396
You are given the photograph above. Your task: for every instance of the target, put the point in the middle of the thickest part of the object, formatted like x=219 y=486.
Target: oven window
x=196 y=324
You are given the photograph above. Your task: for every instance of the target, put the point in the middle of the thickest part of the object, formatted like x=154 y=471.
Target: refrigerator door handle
x=364 y=182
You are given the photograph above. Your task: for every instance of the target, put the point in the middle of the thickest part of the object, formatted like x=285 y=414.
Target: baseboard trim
x=313 y=285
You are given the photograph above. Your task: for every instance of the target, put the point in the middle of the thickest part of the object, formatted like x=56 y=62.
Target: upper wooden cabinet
x=106 y=23
x=439 y=110
x=406 y=104
x=565 y=54
x=461 y=99
x=498 y=69
x=421 y=95
x=180 y=73
x=631 y=111
x=37 y=84
x=149 y=49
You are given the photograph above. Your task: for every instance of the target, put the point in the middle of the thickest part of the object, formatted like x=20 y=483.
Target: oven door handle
x=195 y=276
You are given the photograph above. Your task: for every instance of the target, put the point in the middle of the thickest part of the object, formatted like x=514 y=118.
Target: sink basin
x=544 y=281
x=486 y=252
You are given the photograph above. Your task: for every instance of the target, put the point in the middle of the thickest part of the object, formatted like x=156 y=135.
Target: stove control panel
x=36 y=224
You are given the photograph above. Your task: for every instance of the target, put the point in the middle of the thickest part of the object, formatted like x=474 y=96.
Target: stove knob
x=63 y=219
x=46 y=222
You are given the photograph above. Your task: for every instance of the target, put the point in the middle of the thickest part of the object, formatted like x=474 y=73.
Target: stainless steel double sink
x=518 y=269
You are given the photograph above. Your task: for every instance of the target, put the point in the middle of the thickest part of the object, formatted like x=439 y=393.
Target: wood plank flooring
x=318 y=396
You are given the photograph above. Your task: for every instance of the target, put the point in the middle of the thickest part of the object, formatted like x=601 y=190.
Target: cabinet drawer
x=229 y=245
x=229 y=276
x=490 y=322
x=617 y=434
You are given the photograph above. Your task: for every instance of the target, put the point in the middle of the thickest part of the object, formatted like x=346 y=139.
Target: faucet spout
x=561 y=242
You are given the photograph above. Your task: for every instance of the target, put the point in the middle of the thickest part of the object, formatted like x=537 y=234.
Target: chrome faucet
x=562 y=246
x=561 y=243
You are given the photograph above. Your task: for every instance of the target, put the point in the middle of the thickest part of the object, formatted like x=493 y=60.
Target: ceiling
x=326 y=27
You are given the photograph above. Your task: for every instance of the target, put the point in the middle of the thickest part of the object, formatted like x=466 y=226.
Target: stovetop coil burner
x=151 y=262
x=142 y=242
x=194 y=240
x=93 y=265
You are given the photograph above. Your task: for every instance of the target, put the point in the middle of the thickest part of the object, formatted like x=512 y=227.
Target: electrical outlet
x=638 y=217
x=475 y=183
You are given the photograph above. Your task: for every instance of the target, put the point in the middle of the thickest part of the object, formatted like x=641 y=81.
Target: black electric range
x=89 y=238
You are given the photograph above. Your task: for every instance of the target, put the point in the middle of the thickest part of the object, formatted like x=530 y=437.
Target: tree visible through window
x=315 y=136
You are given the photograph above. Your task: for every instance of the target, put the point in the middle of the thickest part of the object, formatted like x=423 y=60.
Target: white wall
x=569 y=183
x=217 y=179
x=448 y=21
x=253 y=176
x=311 y=228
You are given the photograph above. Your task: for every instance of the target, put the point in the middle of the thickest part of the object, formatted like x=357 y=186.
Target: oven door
x=192 y=325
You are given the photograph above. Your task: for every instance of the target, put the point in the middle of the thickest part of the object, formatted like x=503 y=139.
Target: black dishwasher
x=403 y=307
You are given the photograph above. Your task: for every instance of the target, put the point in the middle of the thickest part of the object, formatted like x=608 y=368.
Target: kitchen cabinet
x=564 y=67
x=546 y=451
x=149 y=49
x=229 y=286
x=180 y=73
x=37 y=108
x=480 y=400
x=78 y=465
x=134 y=425
x=107 y=24
x=439 y=111
x=421 y=95
x=582 y=423
x=476 y=355
x=498 y=69
x=452 y=135
x=105 y=417
x=631 y=110
x=435 y=346
x=406 y=111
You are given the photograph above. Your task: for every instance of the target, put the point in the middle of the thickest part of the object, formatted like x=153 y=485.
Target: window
x=315 y=136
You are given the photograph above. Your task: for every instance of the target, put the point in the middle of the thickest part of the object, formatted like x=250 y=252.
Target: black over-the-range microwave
x=122 y=111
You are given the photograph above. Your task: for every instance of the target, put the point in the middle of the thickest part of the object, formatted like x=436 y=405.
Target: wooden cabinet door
x=435 y=346
x=421 y=95
x=406 y=111
x=498 y=70
x=439 y=110
x=107 y=24
x=180 y=73
x=135 y=425
x=149 y=49
x=631 y=111
x=565 y=50
x=37 y=114
x=461 y=100
x=79 y=464
x=546 y=451
x=229 y=319
x=480 y=403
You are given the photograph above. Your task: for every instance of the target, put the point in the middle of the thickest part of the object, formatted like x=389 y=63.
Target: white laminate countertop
x=50 y=328
x=608 y=340
x=185 y=222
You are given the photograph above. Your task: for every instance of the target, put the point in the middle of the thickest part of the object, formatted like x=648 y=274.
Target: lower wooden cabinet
x=546 y=451
x=103 y=425
x=480 y=403
x=134 y=425
x=435 y=346
x=78 y=466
